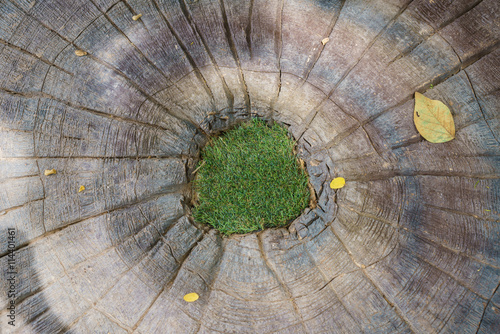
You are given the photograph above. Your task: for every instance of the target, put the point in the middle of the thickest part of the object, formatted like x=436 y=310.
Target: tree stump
x=122 y=104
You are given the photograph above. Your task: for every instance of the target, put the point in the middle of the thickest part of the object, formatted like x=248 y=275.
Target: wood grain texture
x=410 y=244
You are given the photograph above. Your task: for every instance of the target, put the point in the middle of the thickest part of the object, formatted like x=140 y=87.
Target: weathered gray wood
x=318 y=308
x=409 y=245
x=485 y=82
x=169 y=313
x=250 y=290
x=21 y=72
x=108 y=185
x=140 y=278
x=27 y=218
x=430 y=299
x=95 y=322
x=107 y=43
x=20 y=191
x=66 y=131
x=357 y=28
x=51 y=310
x=475 y=32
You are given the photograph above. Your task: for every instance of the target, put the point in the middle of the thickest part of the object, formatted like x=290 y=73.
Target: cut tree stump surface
x=410 y=244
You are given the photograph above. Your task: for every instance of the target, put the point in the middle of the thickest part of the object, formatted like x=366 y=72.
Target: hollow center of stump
x=249 y=179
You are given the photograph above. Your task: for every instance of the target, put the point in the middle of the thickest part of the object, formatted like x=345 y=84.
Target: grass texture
x=249 y=179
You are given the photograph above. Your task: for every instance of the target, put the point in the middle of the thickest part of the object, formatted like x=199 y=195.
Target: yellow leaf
x=136 y=17
x=82 y=188
x=191 y=297
x=433 y=119
x=324 y=40
x=50 y=172
x=337 y=183
x=80 y=53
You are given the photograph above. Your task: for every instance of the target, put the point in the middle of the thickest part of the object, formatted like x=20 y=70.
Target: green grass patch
x=249 y=180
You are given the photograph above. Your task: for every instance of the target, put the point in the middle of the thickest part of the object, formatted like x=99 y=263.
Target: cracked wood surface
x=409 y=245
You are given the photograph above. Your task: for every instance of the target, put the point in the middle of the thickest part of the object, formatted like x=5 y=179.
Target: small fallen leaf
x=82 y=188
x=324 y=40
x=191 y=297
x=80 y=53
x=487 y=210
x=337 y=183
x=50 y=172
x=475 y=184
x=433 y=119
x=136 y=17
